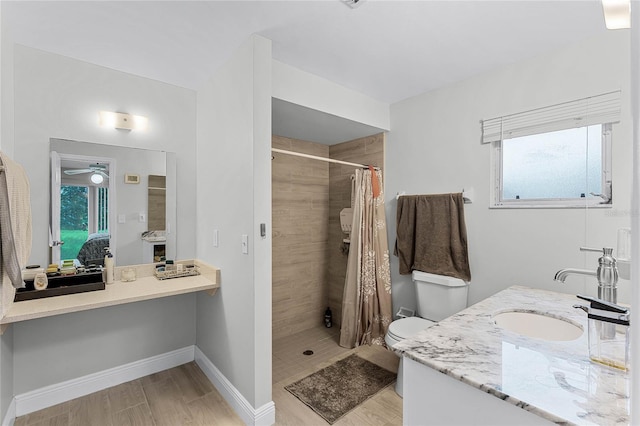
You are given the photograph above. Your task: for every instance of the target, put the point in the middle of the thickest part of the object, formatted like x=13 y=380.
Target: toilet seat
x=407 y=327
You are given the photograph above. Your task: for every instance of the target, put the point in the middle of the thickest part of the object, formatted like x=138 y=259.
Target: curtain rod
x=315 y=157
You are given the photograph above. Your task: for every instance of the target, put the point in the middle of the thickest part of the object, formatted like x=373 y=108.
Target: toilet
x=438 y=297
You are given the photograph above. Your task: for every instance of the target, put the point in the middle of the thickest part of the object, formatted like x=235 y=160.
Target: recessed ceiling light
x=617 y=14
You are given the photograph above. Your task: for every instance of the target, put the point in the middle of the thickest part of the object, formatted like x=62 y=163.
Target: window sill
x=551 y=206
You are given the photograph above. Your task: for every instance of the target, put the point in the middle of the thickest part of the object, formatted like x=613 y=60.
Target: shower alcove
x=309 y=256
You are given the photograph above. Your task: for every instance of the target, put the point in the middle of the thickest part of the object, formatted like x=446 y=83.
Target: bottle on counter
x=109 y=266
x=327 y=318
x=40 y=281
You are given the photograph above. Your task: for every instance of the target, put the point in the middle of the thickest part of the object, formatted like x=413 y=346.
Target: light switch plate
x=142 y=217
x=122 y=218
x=245 y=244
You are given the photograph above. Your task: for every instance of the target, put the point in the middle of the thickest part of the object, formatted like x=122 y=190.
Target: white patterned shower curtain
x=366 y=301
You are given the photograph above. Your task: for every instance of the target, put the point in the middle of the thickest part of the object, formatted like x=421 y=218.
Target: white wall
x=234 y=197
x=60 y=97
x=6 y=145
x=6 y=87
x=434 y=147
x=262 y=261
x=6 y=372
x=635 y=206
x=302 y=88
x=51 y=350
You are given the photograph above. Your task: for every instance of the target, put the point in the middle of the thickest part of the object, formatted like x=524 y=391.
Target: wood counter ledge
x=146 y=287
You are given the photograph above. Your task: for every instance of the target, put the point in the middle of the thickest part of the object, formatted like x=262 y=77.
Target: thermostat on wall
x=130 y=178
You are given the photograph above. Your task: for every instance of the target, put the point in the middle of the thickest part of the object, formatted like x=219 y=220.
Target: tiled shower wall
x=300 y=208
x=368 y=150
x=309 y=262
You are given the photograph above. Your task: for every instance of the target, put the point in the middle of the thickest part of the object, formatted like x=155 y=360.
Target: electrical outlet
x=122 y=218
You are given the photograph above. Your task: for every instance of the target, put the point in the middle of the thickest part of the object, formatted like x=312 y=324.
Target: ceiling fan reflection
x=93 y=168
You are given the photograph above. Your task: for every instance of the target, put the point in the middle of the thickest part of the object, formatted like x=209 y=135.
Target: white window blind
x=584 y=112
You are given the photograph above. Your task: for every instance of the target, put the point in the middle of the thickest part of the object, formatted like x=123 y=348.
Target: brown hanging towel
x=431 y=235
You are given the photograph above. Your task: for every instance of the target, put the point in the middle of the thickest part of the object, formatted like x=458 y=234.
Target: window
x=570 y=168
x=83 y=211
x=555 y=156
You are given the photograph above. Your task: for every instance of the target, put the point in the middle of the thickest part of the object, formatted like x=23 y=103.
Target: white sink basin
x=538 y=325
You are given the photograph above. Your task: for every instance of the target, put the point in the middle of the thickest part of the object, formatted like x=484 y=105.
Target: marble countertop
x=555 y=380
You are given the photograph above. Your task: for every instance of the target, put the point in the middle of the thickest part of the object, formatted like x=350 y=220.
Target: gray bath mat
x=339 y=388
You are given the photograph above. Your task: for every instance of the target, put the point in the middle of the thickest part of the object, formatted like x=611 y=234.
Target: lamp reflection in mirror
x=97 y=178
x=123 y=121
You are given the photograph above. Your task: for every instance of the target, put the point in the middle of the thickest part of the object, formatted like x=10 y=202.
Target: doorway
x=82 y=208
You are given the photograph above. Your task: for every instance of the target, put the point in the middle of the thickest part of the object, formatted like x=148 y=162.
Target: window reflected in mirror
x=84 y=222
x=82 y=206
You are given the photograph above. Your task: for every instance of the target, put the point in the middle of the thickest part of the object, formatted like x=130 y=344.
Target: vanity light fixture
x=97 y=178
x=123 y=121
x=617 y=14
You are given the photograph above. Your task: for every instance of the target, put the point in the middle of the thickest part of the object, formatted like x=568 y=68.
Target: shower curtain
x=366 y=302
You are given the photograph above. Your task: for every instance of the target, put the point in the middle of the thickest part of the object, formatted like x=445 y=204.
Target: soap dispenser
x=108 y=266
x=609 y=332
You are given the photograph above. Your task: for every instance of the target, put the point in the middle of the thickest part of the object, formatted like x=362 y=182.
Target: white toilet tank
x=439 y=296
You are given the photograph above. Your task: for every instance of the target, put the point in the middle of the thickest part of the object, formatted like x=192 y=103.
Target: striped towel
x=15 y=221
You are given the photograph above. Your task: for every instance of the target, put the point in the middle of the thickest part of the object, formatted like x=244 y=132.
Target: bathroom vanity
x=145 y=287
x=468 y=370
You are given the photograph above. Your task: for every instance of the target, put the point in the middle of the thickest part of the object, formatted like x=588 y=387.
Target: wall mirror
x=111 y=196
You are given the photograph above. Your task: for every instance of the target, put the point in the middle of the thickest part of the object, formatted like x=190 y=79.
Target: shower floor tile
x=288 y=356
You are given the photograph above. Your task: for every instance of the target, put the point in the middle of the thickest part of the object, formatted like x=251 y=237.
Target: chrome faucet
x=606 y=274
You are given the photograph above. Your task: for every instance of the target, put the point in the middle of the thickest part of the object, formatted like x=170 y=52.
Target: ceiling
x=389 y=50
x=297 y=122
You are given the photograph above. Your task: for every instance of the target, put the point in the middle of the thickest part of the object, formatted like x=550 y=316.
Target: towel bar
x=467 y=195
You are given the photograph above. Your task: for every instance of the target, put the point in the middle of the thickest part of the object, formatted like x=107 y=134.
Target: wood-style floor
x=184 y=396
x=180 y=396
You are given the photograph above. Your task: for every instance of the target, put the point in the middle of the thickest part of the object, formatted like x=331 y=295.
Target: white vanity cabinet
x=433 y=398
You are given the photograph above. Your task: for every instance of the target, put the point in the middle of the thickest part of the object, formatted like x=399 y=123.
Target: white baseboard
x=60 y=392
x=262 y=416
x=10 y=417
